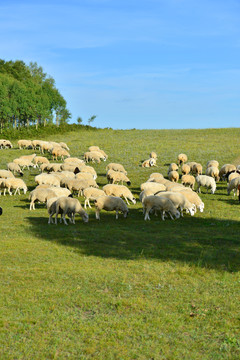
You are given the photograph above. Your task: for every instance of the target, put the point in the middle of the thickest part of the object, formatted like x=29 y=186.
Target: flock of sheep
x=58 y=182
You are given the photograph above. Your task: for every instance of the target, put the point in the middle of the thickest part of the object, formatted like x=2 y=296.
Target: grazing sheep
x=155 y=177
x=73 y=167
x=84 y=176
x=145 y=193
x=51 y=207
x=173 y=176
x=191 y=164
x=22 y=162
x=172 y=186
x=225 y=169
x=229 y=173
x=94 y=156
x=6 y=174
x=54 y=167
x=28 y=157
x=188 y=180
x=153 y=155
x=59 y=152
x=172 y=167
x=149 y=162
x=110 y=203
x=40 y=160
x=24 y=144
x=36 y=144
x=91 y=193
x=119 y=191
x=47 y=179
x=15 y=168
x=233 y=175
x=182 y=158
x=74 y=160
x=116 y=167
x=5 y=144
x=206 y=181
x=213 y=172
x=116 y=177
x=197 y=169
x=185 y=169
x=214 y=163
x=179 y=200
x=40 y=195
x=233 y=185
x=90 y=170
x=16 y=184
x=93 y=148
x=72 y=206
x=76 y=185
x=194 y=198
x=159 y=203
x=153 y=186
x=64 y=146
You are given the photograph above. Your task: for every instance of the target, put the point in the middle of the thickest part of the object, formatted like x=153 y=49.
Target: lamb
x=24 y=144
x=69 y=205
x=153 y=155
x=185 y=169
x=206 y=181
x=119 y=176
x=214 y=163
x=182 y=158
x=119 y=191
x=233 y=185
x=23 y=163
x=153 y=186
x=161 y=204
x=194 y=198
x=172 y=167
x=213 y=172
x=6 y=174
x=173 y=176
x=47 y=179
x=40 y=195
x=179 y=201
x=91 y=193
x=149 y=162
x=116 y=167
x=188 y=180
x=110 y=203
x=225 y=169
x=197 y=169
x=16 y=184
x=15 y=168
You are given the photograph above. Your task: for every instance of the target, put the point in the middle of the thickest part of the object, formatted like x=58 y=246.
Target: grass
x=125 y=289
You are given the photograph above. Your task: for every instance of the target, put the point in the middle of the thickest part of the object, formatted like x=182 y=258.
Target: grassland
x=125 y=289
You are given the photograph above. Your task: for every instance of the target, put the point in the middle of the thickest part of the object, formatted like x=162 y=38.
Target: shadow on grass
x=210 y=243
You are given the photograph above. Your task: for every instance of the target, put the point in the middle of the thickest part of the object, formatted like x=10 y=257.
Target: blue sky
x=153 y=64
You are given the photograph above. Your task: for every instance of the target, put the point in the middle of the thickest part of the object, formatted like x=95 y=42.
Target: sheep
x=173 y=176
x=160 y=203
x=149 y=162
x=172 y=186
x=94 y=156
x=153 y=155
x=155 y=177
x=60 y=191
x=233 y=175
x=153 y=186
x=197 y=169
x=59 y=152
x=24 y=163
x=36 y=143
x=24 y=144
x=74 y=160
x=73 y=167
x=90 y=170
x=182 y=158
x=119 y=191
x=54 y=167
x=116 y=167
x=179 y=200
x=16 y=184
x=110 y=203
x=84 y=176
x=233 y=185
x=103 y=153
x=212 y=163
x=119 y=176
x=191 y=164
x=40 y=160
x=93 y=148
x=6 y=144
x=28 y=157
x=213 y=172
x=194 y=198
x=47 y=179
x=225 y=169
x=51 y=207
x=91 y=193
x=172 y=167
x=229 y=173
x=185 y=169
x=40 y=195
x=206 y=181
x=188 y=180
x=15 y=168
x=6 y=174
x=69 y=205
x=64 y=146
x=77 y=185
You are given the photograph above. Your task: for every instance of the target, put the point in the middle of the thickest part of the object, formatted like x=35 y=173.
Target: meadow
x=126 y=288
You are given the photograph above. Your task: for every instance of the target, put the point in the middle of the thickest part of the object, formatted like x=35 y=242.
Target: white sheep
x=185 y=169
x=84 y=176
x=116 y=167
x=40 y=195
x=173 y=176
x=159 y=203
x=173 y=167
x=225 y=169
x=188 y=180
x=233 y=185
x=6 y=174
x=94 y=156
x=119 y=191
x=16 y=184
x=64 y=146
x=197 y=169
x=233 y=175
x=194 y=198
x=49 y=179
x=213 y=171
x=74 y=160
x=180 y=201
x=24 y=144
x=40 y=160
x=153 y=155
x=72 y=206
x=182 y=158
x=23 y=163
x=155 y=177
x=110 y=203
x=59 y=152
x=91 y=193
x=76 y=185
x=5 y=144
x=206 y=181
x=117 y=176
x=51 y=207
x=152 y=186
x=212 y=163
x=88 y=169
x=149 y=162
x=15 y=168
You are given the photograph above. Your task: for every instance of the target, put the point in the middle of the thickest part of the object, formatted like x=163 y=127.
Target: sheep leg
x=169 y=213
x=116 y=214
x=64 y=220
x=97 y=214
x=163 y=215
x=126 y=200
x=9 y=192
x=89 y=204
x=147 y=215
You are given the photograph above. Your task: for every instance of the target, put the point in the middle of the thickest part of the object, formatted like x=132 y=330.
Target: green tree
x=79 y=120
x=91 y=119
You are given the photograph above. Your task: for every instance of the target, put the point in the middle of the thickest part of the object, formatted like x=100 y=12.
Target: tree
x=91 y=119
x=79 y=120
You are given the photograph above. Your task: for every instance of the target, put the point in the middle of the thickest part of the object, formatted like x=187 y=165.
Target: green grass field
x=126 y=288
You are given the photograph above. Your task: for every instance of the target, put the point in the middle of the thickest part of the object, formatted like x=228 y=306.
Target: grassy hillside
x=124 y=289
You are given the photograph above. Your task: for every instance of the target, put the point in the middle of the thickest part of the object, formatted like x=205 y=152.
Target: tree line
x=28 y=96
